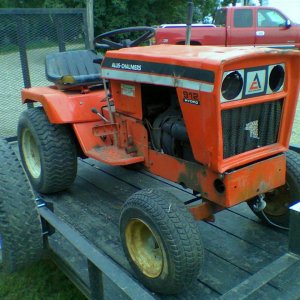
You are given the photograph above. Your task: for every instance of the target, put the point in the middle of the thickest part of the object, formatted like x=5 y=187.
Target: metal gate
x=27 y=35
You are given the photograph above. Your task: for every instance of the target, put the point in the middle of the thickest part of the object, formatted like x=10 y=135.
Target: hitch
x=260 y=203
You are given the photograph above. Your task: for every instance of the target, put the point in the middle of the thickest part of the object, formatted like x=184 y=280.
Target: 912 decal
x=191 y=98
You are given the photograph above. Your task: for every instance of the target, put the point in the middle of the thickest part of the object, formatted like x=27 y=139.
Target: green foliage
x=227 y=2
x=112 y=14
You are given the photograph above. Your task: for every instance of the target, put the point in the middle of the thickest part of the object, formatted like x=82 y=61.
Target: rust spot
x=190 y=175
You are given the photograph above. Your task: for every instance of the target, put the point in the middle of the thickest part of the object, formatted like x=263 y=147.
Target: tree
x=112 y=14
x=227 y=2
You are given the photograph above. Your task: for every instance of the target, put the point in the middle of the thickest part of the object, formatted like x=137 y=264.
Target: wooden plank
x=238 y=252
x=254 y=283
x=138 y=179
x=266 y=292
x=273 y=241
x=219 y=274
x=289 y=279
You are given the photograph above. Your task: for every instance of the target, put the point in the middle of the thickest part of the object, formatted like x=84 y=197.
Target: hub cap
x=31 y=154
x=144 y=248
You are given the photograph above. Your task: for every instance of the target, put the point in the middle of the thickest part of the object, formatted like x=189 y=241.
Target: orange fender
x=66 y=106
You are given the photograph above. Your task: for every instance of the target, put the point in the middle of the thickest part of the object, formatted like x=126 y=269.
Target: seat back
x=73 y=68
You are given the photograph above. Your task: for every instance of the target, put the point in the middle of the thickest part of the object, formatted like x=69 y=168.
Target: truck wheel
x=161 y=240
x=20 y=225
x=280 y=199
x=48 y=152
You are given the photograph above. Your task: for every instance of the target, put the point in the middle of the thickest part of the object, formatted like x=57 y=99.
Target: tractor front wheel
x=48 y=152
x=161 y=240
x=276 y=212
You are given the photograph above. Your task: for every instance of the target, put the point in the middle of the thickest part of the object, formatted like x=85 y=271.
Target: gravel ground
x=11 y=83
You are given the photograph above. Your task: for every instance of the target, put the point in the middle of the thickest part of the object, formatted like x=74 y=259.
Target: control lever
x=95 y=111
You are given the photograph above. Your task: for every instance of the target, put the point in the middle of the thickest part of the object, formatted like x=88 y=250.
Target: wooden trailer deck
x=237 y=246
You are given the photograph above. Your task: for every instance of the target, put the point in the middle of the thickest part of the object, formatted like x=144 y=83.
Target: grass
x=41 y=44
x=42 y=281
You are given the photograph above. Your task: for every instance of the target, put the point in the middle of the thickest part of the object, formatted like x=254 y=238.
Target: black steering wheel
x=107 y=40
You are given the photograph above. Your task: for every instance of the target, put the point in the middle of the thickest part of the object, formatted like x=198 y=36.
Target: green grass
x=34 y=45
x=43 y=281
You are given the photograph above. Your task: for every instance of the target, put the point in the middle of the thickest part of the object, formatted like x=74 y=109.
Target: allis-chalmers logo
x=256 y=82
x=255 y=85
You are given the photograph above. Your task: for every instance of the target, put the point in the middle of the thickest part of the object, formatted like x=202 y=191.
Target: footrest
x=114 y=156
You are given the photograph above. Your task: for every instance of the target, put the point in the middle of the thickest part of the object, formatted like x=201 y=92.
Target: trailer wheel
x=161 y=240
x=48 y=152
x=20 y=225
x=280 y=199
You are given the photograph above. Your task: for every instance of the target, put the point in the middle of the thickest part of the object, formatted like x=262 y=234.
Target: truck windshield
x=220 y=18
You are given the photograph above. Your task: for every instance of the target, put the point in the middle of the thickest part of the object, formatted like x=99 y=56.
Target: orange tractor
x=214 y=120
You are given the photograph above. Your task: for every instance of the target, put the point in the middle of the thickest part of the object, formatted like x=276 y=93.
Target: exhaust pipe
x=189 y=22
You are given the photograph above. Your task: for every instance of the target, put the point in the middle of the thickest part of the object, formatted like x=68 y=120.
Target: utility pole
x=90 y=21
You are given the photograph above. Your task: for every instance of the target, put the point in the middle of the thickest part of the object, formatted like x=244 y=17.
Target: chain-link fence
x=27 y=35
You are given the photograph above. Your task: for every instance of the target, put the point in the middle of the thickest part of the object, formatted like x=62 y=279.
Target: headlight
x=276 y=78
x=232 y=85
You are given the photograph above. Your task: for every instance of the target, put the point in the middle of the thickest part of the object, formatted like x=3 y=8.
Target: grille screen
x=249 y=127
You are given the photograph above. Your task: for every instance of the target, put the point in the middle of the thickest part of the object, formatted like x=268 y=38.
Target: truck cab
x=239 y=26
x=259 y=26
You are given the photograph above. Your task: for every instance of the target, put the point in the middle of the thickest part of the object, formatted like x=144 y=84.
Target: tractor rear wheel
x=161 y=240
x=48 y=152
x=276 y=212
x=20 y=225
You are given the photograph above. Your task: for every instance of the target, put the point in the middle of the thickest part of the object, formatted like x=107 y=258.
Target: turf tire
x=290 y=189
x=20 y=225
x=56 y=149
x=176 y=232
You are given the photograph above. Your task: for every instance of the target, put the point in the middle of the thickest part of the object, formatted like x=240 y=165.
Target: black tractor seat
x=73 y=69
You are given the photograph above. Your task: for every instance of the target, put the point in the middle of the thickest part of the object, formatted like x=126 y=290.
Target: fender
x=66 y=106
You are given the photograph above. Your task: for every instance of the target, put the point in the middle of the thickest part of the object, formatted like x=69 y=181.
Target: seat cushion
x=73 y=68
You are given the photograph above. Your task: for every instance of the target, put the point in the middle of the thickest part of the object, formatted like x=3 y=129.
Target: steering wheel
x=107 y=41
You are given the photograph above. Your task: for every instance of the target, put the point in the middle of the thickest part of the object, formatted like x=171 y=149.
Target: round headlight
x=276 y=78
x=232 y=85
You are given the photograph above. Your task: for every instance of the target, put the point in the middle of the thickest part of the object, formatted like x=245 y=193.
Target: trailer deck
x=244 y=259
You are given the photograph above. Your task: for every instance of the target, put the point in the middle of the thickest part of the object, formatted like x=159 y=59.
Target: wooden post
x=90 y=22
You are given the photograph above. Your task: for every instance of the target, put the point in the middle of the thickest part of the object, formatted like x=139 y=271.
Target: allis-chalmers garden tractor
x=215 y=120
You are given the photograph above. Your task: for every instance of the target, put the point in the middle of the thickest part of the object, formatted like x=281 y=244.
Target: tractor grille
x=249 y=127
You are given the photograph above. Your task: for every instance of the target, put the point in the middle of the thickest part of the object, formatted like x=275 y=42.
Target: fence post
x=21 y=34
x=60 y=33
x=90 y=22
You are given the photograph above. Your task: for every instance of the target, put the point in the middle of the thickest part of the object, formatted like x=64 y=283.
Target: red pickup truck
x=235 y=26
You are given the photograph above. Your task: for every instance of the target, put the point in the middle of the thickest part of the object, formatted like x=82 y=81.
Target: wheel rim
x=31 y=153
x=144 y=248
x=278 y=201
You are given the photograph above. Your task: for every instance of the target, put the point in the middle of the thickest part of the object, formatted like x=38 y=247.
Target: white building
x=291 y=8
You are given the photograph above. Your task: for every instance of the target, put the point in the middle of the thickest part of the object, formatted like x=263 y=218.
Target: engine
x=167 y=130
